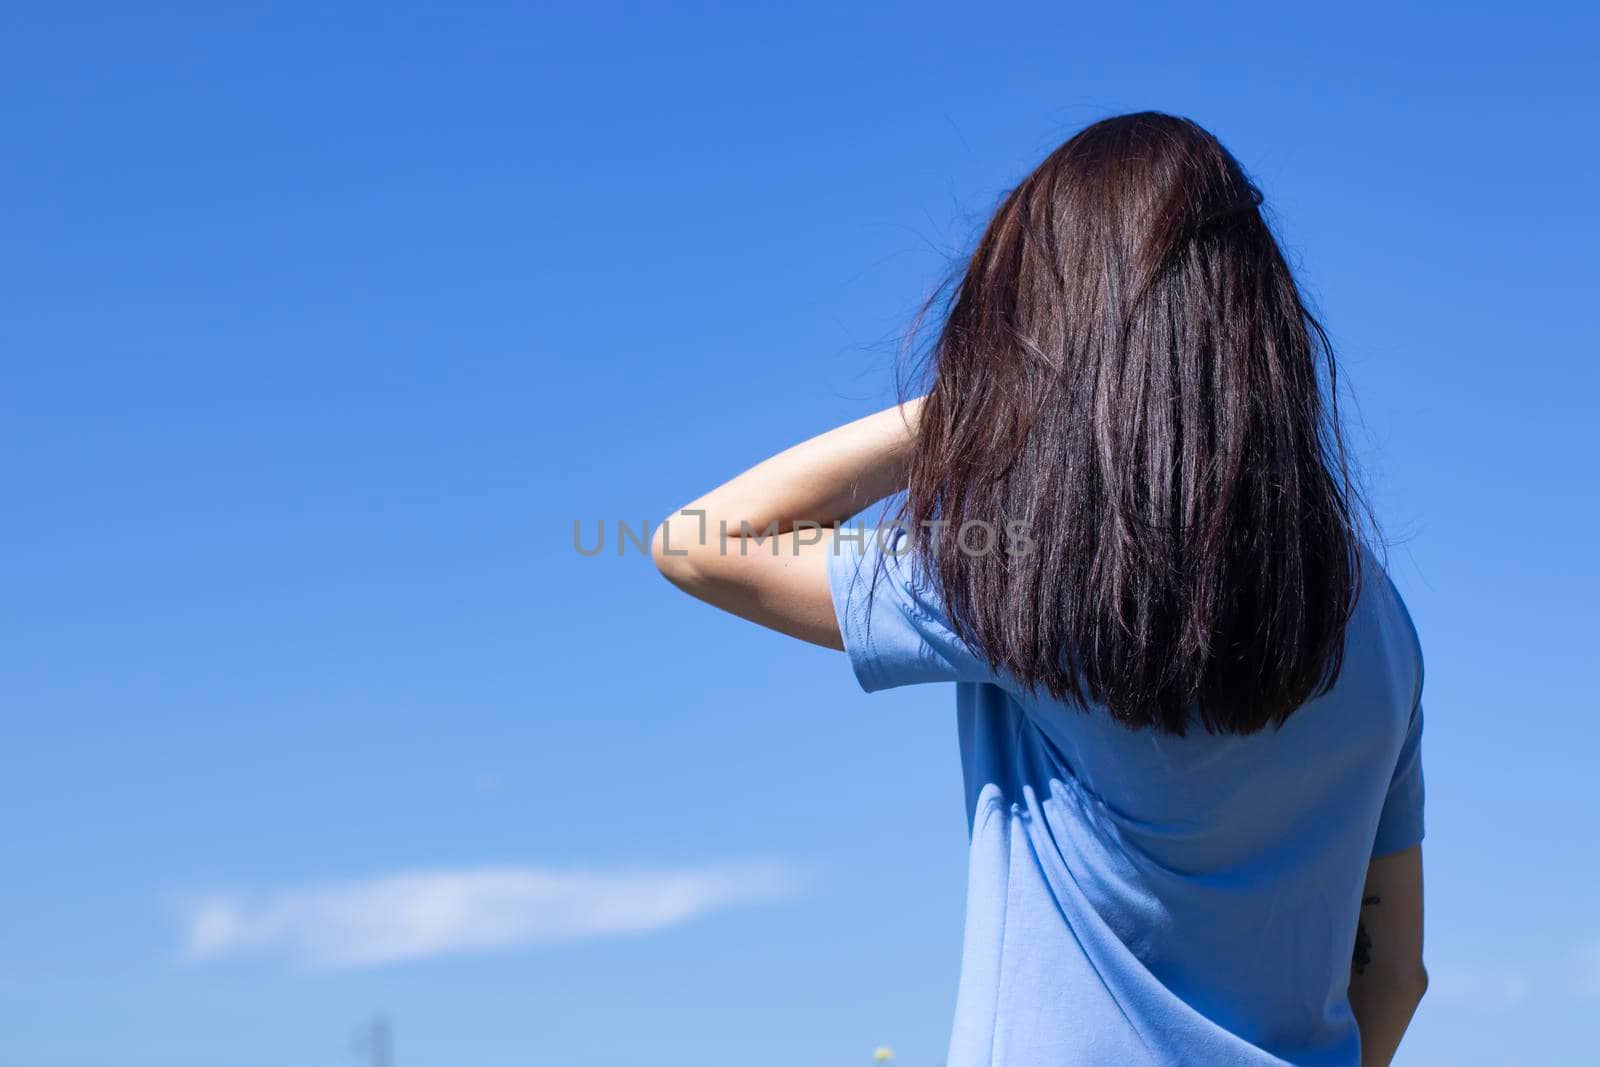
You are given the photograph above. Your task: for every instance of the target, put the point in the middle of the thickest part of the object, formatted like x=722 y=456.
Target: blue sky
x=321 y=328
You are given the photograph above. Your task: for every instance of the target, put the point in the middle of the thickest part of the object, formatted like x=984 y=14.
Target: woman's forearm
x=1383 y=1010
x=823 y=481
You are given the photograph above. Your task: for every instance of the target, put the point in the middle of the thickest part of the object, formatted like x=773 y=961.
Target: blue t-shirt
x=1139 y=898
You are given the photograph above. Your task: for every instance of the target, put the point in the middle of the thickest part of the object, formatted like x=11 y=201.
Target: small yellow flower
x=883 y=1054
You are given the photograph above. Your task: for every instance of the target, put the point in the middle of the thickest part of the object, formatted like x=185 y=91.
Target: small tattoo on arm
x=1363 y=953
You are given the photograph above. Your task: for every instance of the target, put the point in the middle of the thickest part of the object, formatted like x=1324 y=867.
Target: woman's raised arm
x=757 y=546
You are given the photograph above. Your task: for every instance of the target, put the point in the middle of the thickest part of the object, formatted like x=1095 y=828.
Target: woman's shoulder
x=1382 y=608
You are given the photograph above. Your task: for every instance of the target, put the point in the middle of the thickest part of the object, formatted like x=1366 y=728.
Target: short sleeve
x=1400 y=825
x=894 y=630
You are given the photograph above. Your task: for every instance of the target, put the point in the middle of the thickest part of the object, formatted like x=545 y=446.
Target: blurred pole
x=382 y=1043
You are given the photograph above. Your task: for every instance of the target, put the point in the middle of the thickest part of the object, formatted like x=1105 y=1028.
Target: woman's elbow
x=1403 y=988
x=1417 y=985
x=675 y=558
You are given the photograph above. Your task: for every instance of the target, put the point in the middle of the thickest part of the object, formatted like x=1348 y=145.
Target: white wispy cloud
x=416 y=914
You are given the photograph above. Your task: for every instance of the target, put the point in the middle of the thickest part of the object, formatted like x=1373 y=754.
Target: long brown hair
x=1127 y=367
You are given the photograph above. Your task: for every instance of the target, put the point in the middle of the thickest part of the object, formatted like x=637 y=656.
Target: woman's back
x=1188 y=695
x=1144 y=897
